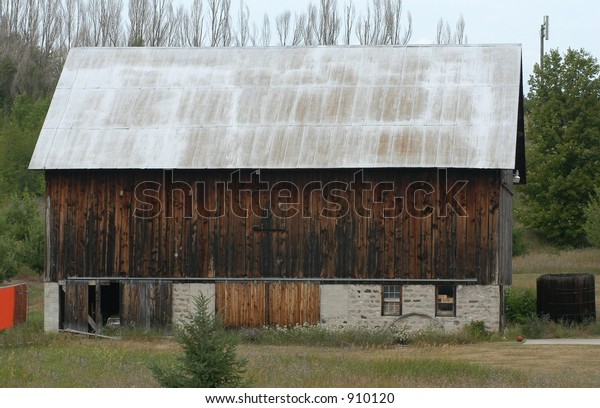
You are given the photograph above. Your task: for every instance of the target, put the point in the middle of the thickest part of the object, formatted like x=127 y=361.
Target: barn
x=341 y=186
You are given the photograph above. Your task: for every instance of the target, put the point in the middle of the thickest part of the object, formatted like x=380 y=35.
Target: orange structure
x=13 y=306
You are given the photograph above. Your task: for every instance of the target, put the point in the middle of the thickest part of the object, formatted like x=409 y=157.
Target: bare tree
x=460 y=35
x=367 y=28
x=282 y=23
x=29 y=21
x=310 y=29
x=299 y=23
x=242 y=38
x=113 y=22
x=159 y=30
x=329 y=23
x=139 y=13
x=445 y=35
x=71 y=22
x=265 y=35
x=13 y=12
x=349 y=15
x=51 y=26
x=383 y=24
x=193 y=25
x=176 y=36
x=220 y=22
x=392 y=31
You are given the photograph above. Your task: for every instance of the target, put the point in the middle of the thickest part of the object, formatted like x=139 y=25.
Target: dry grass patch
x=505 y=364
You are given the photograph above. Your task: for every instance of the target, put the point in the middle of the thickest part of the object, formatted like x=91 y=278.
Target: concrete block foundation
x=51 y=306
x=183 y=299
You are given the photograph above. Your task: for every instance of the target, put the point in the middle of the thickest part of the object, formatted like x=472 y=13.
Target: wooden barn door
x=255 y=304
x=293 y=303
x=76 y=306
x=147 y=305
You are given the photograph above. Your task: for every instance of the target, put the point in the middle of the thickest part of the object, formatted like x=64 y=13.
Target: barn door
x=147 y=305
x=76 y=306
x=256 y=304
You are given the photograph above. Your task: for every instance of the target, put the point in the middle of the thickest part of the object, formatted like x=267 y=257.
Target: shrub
x=519 y=305
x=209 y=358
x=592 y=219
x=537 y=327
x=476 y=331
x=8 y=264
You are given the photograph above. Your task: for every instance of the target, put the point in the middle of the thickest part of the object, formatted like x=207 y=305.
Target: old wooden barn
x=343 y=186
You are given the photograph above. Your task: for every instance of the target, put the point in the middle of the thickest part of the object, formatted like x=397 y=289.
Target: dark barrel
x=567 y=297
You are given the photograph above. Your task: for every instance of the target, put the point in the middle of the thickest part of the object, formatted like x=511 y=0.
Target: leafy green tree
x=563 y=155
x=18 y=136
x=592 y=219
x=209 y=358
x=21 y=235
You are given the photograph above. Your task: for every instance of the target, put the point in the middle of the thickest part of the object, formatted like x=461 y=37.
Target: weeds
x=541 y=327
x=519 y=305
x=307 y=335
x=320 y=336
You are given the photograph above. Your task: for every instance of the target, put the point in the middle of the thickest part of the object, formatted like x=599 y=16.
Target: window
x=392 y=300
x=445 y=301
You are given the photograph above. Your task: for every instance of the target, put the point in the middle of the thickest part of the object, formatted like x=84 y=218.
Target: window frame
x=449 y=308
x=386 y=301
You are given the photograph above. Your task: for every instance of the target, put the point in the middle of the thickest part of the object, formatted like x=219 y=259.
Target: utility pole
x=543 y=35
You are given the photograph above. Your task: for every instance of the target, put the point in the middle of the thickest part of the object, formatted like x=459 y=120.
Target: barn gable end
x=285 y=182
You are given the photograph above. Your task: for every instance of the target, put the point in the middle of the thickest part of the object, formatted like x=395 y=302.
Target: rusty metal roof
x=293 y=107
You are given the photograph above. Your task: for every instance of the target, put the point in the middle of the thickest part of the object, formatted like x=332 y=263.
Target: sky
x=573 y=23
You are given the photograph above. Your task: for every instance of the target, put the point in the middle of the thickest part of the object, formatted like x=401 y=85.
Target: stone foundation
x=346 y=306
x=184 y=295
x=51 y=306
x=361 y=306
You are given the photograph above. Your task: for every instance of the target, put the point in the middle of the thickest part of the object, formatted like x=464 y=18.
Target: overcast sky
x=573 y=23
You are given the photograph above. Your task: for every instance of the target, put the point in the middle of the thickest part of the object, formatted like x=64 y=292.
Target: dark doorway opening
x=110 y=303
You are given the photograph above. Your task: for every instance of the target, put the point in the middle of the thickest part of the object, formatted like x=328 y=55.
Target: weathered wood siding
x=76 y=307
x=506 y=229
x=93 y=231
x=147 y=305
x=255 y=304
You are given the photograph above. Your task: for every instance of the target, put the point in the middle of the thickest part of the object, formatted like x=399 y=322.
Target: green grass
x=309 y=367
x=74 y=362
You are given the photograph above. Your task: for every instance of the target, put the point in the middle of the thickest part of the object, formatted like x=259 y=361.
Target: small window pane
x=392 y=301
x=445 y=301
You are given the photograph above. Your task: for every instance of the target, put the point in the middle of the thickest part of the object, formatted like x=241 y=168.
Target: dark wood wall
x=103 y=224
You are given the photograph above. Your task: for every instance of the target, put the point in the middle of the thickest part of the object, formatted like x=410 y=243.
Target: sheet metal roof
x=293 y=107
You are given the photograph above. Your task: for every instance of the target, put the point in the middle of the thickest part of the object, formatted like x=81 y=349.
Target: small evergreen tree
x=209 y=358
x=592 y=220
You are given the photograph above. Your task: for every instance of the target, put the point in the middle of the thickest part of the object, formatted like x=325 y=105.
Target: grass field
x=31 y=358
x=526 y=269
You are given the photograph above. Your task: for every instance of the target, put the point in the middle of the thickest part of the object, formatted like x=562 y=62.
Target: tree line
x=36 y=35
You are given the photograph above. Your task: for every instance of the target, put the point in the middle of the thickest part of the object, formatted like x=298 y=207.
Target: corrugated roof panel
x=44 y=145
x=295 y=137
x=334 y=107
x=370 y=145
x=462 y=144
